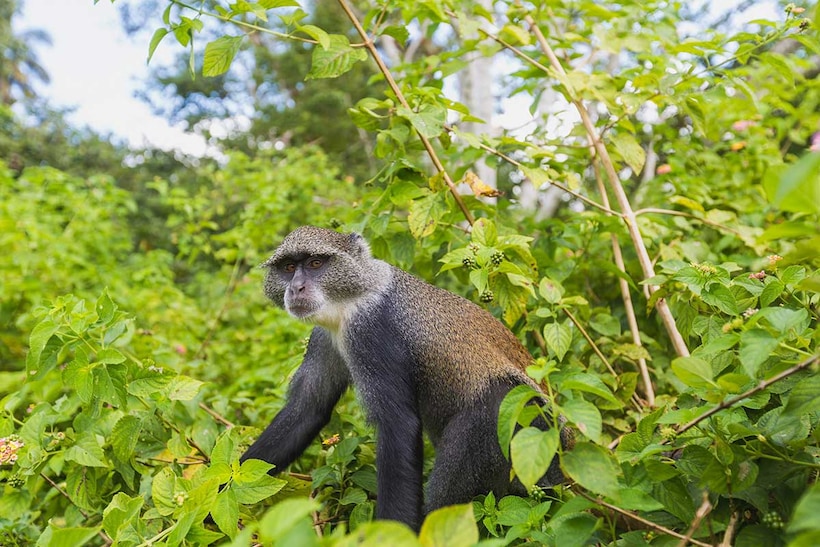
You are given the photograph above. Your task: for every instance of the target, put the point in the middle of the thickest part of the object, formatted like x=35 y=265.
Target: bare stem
x=645 y=522
x=704 y=509
x=760 y=387
x=215 y=415
x=428 y=146
x=620 y=194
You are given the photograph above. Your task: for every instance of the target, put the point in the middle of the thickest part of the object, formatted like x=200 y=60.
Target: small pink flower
x=743 y=125
x=664 y=169
x=815 y=142
x=759 y=275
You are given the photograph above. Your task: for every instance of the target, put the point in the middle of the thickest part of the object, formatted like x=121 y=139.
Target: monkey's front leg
x=399 y=461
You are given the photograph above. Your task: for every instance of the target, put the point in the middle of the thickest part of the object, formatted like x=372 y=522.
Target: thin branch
x=626 y=294
x=54 y=485
x=645 y=522
x=428 y=146
x=599 y=353
x=215 y=415
x=704 y=509
x=730 y=530
x=519 y=165
x=620 y=194
x=760 y=387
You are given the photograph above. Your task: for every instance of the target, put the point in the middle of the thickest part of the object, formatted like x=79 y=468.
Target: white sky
x=95 y=67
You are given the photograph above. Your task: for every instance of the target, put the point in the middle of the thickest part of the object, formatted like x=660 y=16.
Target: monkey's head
x=318 y=275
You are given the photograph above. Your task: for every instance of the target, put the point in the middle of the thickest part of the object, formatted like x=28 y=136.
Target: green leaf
x=798 y=189
x=589 y=383
x=124 y=437
x=558 y=338
x=550 y=290
x=694 y=372
x=164 y=490
x=770 y=292
x=121 y=514
x=452 y=526
x=585 y=416
x=285 y=516
x=65 y=537
x=109 y=356
x=484 y=233
x=183 y=388
x=86 y=451
x=219 y=55
x=226 y=512
x=630 y=150
x=335 y=59
x=40 y=335
x=511 y=406
x=721 y=298
x=424 y=215
x=594 y=468
x=806 y=512
x=756 y=345
x=429 y=120
x=605 y=324
x=159 y=34
x=317 y=34
x=804 y=398
x=532 y=451
x=256 y=491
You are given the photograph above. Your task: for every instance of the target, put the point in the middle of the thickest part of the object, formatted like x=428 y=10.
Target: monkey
x=420 y=358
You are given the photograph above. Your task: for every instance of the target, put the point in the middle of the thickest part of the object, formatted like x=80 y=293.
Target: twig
x=636 y=518
x=599 y=353
x=704 y=509
x=620 y=194
x=730 y=530
x=218 y=417
x=428 y=146
x=54 y=485
x=626 y=295
x=760 y=387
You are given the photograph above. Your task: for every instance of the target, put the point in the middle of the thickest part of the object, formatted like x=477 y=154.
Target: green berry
x=474 y=248
x=470 y=263
x=497 y=258
x=487 y=296
x=17 y=481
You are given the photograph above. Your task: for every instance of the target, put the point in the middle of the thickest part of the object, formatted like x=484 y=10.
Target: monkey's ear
x=358 y=245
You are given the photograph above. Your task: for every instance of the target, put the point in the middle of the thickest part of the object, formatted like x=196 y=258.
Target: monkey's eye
x=315 y=263
x=289 y=267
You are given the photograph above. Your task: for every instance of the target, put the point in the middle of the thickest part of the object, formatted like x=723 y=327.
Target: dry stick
x=730 y=530
x=760 y=387
x=368 y=43
x=704 y=509
x=618 y=189
x=626 y=295
x=636 y=518
x=635 y=400
x=215 y=415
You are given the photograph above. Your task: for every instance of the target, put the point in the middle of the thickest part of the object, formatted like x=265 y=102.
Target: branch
x=428 y=146
x=645 y=522
x=620 y=194
x=103 y=535
x=760 y=387
x=704 y=509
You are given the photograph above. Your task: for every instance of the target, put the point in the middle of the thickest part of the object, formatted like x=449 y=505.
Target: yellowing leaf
x=479 y=187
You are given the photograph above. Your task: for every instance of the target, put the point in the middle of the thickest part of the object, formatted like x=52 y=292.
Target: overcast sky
x=95 y=67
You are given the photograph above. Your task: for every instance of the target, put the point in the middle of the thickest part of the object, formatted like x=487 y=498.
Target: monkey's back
x=461 y=350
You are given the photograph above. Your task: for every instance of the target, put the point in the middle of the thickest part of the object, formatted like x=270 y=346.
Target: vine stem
x=394 y=87
x=760 y=387
x=628 y=214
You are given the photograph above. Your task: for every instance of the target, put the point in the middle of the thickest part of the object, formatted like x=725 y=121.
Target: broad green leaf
x=424 y=214
x=219 y=55
x=86 y=451
x=429 y=120
x=252 y=470
x=452 y=526
x=66 y=537
x=550 y=290
x=335 y=59
x=585 y=416
x=273 y=4
x=484 y=233
x=40 y=335
x=110 y=355
x=164 y=491
x=317 y=34
x=721 y=298
x=630 y=150
x=183 y=388
x=798 y=189
x=605 y=324
x=121 y=513
x=589 y=383
x=756 y=345
x=159 y=34
x=286 y=516
x=593 y=467
x=694 y=372
x=532 y=451
x=226 y=512
x=511 y=406
x=770 y=292
x=124 y=437
x=256 y=491
x=804 y=397
x=806 y=514
x=558 y=338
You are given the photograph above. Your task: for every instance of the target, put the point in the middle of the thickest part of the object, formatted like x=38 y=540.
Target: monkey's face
x=296 y=285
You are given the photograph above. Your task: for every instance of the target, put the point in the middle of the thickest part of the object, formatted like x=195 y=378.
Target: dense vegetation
x=670 y=295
